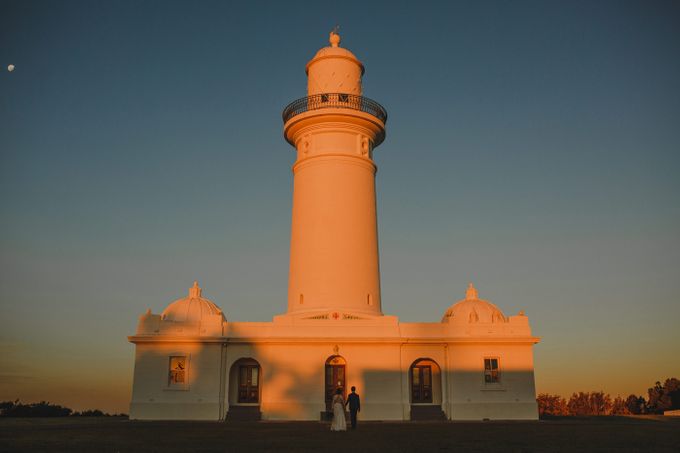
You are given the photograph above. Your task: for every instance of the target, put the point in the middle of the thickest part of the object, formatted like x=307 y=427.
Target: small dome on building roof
x=473 y=310
x=193 y=308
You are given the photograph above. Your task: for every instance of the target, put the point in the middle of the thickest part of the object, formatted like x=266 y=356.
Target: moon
x=10 y=68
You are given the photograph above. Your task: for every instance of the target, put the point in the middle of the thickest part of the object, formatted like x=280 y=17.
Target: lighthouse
x=193 y=362
x=334 y=262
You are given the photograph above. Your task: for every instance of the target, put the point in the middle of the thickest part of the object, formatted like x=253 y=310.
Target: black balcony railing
x=334 y=100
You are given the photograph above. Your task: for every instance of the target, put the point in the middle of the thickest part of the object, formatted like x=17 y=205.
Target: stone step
x=427 y=413
x=244 y=414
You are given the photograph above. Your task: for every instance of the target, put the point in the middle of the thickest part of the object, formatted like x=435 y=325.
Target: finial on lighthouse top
x=334 y=37
x=471 y=293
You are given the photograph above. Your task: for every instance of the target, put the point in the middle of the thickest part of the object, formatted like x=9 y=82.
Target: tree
x=600 y=403
x=551 y=405
x=655 y=398
x=664 y=397
x=636 y=404
x=672 y=389
x=619 y=407
x=578 y=404
x=589 y=403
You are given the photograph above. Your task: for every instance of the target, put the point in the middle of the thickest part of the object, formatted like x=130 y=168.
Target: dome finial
x=195 y=291
x=471 y=293
x=334 y=37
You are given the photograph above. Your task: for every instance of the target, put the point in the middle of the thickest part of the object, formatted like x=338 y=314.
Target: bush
x=90 y=413
x=41 y=409
x=45 y=409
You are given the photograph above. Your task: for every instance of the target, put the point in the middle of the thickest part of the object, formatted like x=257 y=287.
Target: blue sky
x=532 y=148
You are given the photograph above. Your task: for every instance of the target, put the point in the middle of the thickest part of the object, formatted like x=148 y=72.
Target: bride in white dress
x=338 y=405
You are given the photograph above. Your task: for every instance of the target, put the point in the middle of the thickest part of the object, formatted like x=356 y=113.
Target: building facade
x=192 y=363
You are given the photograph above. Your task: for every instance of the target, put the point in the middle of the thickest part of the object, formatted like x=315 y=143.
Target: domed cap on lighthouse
x=334 y=70
x=473 y=310
x=193 y=308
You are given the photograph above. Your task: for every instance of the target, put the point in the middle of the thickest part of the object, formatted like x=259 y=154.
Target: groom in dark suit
x=354 y=406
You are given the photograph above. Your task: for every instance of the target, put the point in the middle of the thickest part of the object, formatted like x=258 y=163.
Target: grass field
x=601 y=434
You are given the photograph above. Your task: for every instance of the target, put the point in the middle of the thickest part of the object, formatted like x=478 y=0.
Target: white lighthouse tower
x=334 y=240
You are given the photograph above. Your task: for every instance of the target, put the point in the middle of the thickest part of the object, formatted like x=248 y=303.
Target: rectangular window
x=178 y=370
x=492 y=373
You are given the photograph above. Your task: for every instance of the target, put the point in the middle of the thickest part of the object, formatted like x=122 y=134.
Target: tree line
x=45 y=409
x=660 y=398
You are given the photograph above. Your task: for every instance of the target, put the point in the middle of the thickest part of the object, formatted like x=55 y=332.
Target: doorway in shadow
x=245 y=390
x=425 y=384
x=335 y=375
x=335 y=378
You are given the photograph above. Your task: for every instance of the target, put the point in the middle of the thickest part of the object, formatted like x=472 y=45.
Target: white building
x=192 y=363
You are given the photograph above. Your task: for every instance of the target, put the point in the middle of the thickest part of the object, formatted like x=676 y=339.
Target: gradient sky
x=532 y=148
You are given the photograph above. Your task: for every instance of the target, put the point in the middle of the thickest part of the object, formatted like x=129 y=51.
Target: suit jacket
x=354 y=402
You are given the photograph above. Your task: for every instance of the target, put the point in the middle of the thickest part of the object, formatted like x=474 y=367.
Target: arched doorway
x=425 y=386
x=245 y=388
x=245 y=382
x=335 y=378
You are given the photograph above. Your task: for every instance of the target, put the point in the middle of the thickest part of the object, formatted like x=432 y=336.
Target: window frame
x=492 y=376
x=170 y=385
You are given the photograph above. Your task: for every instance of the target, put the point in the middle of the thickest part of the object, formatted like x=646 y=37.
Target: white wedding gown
x=339 y=423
